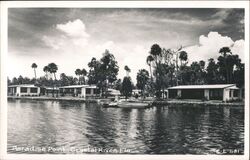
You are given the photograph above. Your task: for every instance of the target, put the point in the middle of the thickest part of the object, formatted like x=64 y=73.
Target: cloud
x=73 y=34
x=134 y=56
x=210 y=45
x=74 y=28
x=55 y=43
x=135 y=59
x=238 y=48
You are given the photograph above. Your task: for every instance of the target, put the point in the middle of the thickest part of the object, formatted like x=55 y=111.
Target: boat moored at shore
x=133 y=104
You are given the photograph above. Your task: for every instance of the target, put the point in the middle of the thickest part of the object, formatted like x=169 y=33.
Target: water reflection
x=158 y=130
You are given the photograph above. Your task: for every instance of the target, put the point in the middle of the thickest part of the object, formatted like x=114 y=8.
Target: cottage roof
x=79 y=86
x=114 y=91
x=209 y=86
x=233 y=87
x=136 y=90
x=51 y=88
x=24 y=85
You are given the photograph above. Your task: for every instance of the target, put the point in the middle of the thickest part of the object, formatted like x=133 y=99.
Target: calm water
x=66 y=127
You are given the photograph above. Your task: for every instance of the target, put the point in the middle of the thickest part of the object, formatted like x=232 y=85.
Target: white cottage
x=23 y=90
x=80 y=90
x=223 y=92
x=136 y=92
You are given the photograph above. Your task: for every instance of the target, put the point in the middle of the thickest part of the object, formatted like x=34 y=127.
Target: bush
x=158 y=94
x=178 y=97
x=136 y=96
x=204 y=99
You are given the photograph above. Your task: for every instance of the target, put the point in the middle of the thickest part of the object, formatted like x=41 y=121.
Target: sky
x=71 y=37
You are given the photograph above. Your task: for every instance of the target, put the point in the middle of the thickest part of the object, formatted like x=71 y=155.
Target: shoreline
x=154 y=102
x=75 y=99
x=196 y=103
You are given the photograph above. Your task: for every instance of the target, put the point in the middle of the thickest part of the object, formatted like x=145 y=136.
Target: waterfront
x=158 y=130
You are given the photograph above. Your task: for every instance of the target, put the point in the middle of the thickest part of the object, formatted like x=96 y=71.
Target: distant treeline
x=171 y=68
x=167 y=67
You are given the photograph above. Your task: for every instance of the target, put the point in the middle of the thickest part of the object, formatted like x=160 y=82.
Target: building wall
x=233 y=96
x=17 y=91
x=209 y=94
x=192 y=93
x=206 y=94
x=178 y=93
x=12 y=91
x=84 y=93
x=228 y=97
x=27 y=93
x=216 y=94
x=238 y=96
x=172 y=93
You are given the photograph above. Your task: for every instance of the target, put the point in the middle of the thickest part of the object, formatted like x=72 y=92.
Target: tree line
x=167 y=67
x=170 y=67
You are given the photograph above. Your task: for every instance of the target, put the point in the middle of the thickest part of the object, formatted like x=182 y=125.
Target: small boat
x=107 y=103
x=111 y=104
x=103 y=102
x=133 y=104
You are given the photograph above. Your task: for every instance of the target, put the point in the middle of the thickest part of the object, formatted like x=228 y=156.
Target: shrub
x=204 y=99
x=136 y=96
x=178 y=97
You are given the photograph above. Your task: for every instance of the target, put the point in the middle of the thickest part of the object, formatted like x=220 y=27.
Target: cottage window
x=88 y=90
x=172 y=93
x=78 y=90
x=33 y=90
x=216 y=94
x=23 y=89
x=236 y=93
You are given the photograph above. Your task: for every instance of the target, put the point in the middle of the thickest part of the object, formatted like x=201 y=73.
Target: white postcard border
x=116 y=4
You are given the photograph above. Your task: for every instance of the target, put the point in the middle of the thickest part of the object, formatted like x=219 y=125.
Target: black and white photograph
x=126 y=80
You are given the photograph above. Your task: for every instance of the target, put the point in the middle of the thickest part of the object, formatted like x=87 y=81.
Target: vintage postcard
x=125 y=80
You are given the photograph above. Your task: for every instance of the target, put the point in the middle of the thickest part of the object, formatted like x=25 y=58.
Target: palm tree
x=46 y=70
x=224 y=51
x=78 y=72
x=84 y=73
x=183 y=57
x=53 y=69
x=176 y=63
x=127 y=87
x=34 y=66
x=127 y=70
x=202 y=64
x=155 y=52
x=142 y=78
x=150 y=59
